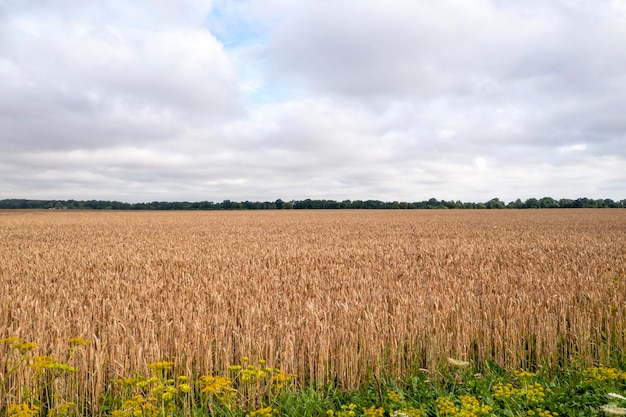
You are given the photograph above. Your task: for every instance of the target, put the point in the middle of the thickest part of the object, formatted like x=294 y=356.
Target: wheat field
x=329 y=295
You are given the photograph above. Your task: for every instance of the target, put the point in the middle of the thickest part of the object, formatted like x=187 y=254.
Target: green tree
x=495 y=203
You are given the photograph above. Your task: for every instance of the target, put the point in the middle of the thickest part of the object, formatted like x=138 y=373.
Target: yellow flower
x=217 y=386
x=12 y=340
x=445 y=406
x=77 y=341
x=264 y=412
x=394 y=397
x=19 y=344
x=24 y=347
x=41 y=363
x=524 y=374
x=374 y=412
x=23 y=410
x=137 y=407
x=161 y=366
x=603 y=374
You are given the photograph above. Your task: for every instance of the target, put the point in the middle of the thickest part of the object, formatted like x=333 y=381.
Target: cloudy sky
x=341 y=99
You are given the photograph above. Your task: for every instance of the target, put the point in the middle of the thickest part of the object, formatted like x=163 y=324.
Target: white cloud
x=395 y=100
x=76 y=85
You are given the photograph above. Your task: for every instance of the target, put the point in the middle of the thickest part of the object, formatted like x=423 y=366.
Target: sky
x=405 y=100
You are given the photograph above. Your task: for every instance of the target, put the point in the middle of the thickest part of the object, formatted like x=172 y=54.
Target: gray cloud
x=258 y=100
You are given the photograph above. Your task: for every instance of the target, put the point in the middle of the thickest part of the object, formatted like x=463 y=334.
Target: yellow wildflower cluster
x=524 y=374
x=42 y=363
x=394 y=405
x=137 y=407
x=345 y=411
x=394 y=397
x=445 y=406
x=542 y=413
x=470 y=407
x=603 y=374
x=144 y=383
x=165 y=392
x=397 y=407
x=18 y=343
x=77 y=341
x=251 y=373
x=183 y=385
x=128 y=381
x=161 y=366
x=374 y=412
x=281 y=378
x=215 y=384
x=533 y=393
x=504 y=391
x=272 y=379
x=11 y=340
x=264 y=412
x=154 y=393
x=250 y=384
x=23 y=410
x=218 y=387
x=47 y=370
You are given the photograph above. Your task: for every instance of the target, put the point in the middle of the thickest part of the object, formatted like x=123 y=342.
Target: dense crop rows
x=327 y=295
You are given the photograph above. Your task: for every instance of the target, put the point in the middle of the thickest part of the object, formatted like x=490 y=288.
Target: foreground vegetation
x=255 y=389
x=350 y=301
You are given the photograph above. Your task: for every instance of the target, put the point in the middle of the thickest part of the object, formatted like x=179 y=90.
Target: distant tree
x=372 y=204
x=548 y=202
x=433 y=203
x=330 y=204
x=584 y=202
x=532 y=203
x=495 y=203
x=517 y=204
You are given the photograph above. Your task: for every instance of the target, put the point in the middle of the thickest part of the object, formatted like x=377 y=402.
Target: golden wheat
x=329 y=295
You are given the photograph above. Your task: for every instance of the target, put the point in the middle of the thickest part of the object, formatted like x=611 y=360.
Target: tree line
x=494 y=203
